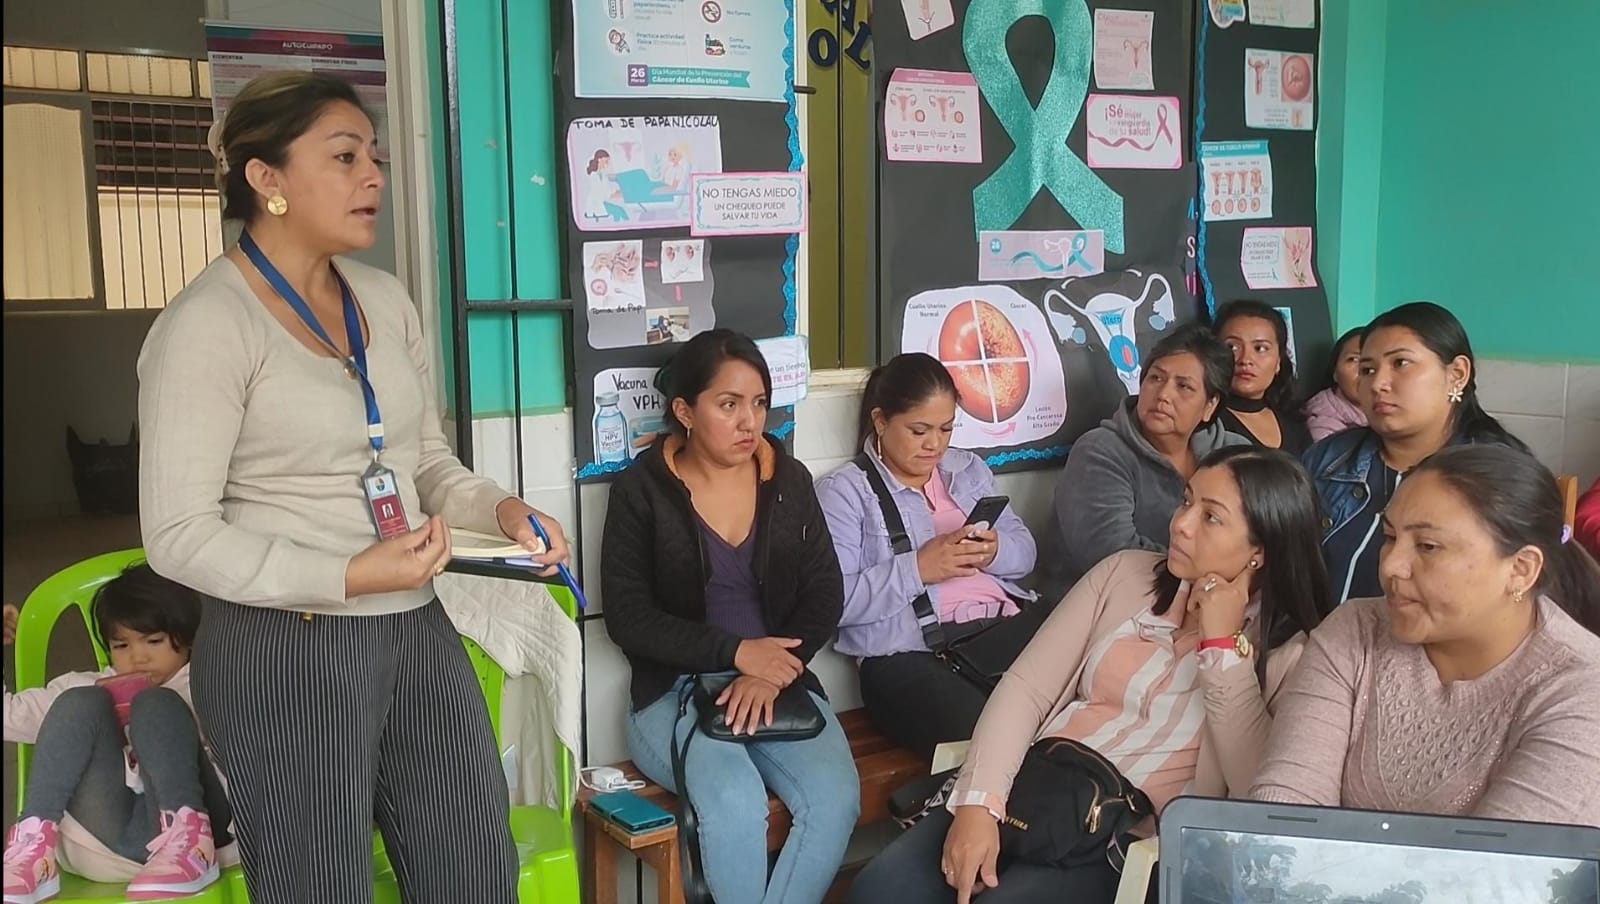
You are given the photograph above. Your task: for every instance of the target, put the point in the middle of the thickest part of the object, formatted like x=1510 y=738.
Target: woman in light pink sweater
x=1164 y=665
x=1338 y=408
x=1471 y=688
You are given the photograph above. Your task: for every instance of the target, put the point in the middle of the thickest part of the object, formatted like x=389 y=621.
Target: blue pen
x=566 y=575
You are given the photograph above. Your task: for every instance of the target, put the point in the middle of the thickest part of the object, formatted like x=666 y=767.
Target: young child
x=1335 y=409
x=118 y=751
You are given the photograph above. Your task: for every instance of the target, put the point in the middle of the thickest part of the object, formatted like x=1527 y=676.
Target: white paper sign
x=1278 y=89
x=789 y=361
x=1132 y=132
x=628 y=414
x=1284 y=13
x=1122 y=49
x=932 y=116
x=1238 y=180
x=924 y=17
x=748 y=203
x=1277 y=258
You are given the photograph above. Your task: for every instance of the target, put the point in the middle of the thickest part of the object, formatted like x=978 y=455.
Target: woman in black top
x=718 y=559
x=1260 y=406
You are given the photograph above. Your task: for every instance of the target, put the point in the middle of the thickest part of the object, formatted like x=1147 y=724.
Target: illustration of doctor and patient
x=609 y=195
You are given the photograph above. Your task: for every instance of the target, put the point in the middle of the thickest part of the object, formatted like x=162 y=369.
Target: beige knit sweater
x=1365 y=722
x=252 y=447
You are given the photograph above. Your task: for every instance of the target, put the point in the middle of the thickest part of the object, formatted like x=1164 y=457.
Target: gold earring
x=1516 y=597
x=277 y=205
x=1454 y=394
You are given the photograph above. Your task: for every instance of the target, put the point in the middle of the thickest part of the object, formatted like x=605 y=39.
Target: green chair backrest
x=77 y=584
x=72 y=586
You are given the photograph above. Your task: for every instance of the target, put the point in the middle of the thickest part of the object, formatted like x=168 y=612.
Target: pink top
x=962 y=599
x=1106 y=670
x=1149 y=661
x=1366 y=723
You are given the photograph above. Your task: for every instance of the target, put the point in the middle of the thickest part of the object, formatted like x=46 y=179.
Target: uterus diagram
x=1108 y=304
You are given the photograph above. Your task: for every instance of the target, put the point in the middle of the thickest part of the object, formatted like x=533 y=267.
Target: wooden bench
x=882 y=766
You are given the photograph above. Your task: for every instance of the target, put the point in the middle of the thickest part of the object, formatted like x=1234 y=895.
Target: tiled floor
x=33 y=551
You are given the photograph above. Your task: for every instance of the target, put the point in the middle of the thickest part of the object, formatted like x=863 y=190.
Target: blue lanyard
x=357 y=362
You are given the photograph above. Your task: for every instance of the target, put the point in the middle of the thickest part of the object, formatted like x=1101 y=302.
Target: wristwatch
x=1238 y=643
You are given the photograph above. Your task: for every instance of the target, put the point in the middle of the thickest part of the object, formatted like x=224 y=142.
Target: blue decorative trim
x=595 y=469
x=784 y=429
x=797 y=161
x=1199 y=134
x=1049 y=453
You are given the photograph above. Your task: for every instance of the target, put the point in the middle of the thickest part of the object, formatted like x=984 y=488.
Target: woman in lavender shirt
x=907 y=416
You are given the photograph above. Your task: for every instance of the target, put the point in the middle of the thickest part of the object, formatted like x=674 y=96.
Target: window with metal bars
x=152 y=202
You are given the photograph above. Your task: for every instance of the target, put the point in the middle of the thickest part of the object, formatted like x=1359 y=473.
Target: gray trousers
x=78 y=768
x=322 y=725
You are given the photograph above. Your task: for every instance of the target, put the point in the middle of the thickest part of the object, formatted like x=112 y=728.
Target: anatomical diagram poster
x=1041 y=264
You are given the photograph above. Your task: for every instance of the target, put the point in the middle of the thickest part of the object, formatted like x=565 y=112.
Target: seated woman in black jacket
x=718 y=559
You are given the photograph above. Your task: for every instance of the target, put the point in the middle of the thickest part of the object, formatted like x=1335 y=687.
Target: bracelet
x=1218 y=643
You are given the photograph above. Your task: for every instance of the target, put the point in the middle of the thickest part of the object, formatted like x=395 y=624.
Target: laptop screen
x=1220 y=867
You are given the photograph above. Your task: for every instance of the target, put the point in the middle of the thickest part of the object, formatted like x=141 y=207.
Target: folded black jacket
x=655 y=570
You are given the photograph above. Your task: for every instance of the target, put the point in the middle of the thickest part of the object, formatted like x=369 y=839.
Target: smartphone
x=123 y=688
x=632 y=812
x=987 y=511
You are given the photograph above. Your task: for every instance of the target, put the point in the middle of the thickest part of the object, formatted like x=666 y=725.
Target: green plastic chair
x=548 y=862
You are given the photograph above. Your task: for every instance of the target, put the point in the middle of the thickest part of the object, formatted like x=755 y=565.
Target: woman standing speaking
x=293 y=469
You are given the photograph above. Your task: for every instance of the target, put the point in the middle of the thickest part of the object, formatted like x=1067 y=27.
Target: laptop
x=1244 y=852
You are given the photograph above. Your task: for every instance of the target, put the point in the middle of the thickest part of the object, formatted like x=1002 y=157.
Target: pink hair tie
x=1566 y=533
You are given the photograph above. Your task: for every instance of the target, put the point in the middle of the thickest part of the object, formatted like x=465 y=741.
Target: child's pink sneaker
x=30 y=865
x=183 y=858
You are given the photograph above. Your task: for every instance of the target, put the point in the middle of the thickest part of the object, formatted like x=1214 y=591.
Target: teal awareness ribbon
x=1041 y=158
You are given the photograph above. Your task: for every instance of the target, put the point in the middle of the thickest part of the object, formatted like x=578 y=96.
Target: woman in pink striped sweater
x=1471 y=687
x=1165 y=665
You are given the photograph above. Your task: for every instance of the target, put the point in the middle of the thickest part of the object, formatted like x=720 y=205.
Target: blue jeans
x=728 y=784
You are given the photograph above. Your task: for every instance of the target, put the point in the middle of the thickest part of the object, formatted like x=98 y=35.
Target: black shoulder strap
x=900 y=542
x=695 y=890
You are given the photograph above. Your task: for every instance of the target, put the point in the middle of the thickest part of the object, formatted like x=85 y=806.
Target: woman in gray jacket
x=1124 y=478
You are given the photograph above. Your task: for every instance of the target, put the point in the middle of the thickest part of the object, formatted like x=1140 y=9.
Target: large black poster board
x=640 y=283
x=1257 y=142
x=1041 y=353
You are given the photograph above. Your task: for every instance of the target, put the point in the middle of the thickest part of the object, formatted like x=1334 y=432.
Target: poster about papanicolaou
x=1035 y=199
x=685 y=199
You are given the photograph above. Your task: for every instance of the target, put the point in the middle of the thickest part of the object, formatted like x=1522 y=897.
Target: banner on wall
x=730 y=49
x=239 y=53
x=1257 y=238
x=682 y=216
x=1035 y=237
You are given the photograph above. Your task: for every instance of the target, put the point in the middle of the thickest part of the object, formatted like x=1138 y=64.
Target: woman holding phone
x=961 y=574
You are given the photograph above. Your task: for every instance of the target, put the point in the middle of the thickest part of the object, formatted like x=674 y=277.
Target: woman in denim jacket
x=907 y=416
x=1418 y=387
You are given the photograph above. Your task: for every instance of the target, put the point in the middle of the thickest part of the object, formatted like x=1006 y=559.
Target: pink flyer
x=932 y=117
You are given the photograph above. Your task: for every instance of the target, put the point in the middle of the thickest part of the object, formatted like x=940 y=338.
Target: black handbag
x=795 y=717
x=1069 y=806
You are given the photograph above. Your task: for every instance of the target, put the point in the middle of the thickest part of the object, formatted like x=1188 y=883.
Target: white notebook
x=471 y=544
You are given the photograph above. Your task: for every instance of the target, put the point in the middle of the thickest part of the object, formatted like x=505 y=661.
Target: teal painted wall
x=1350 y=156
x=1484 y=193
x=511 y=228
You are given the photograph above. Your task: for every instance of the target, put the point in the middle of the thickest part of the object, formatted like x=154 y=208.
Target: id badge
x=383 y=502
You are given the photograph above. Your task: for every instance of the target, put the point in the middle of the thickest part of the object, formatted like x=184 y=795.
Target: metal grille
x=160 y=213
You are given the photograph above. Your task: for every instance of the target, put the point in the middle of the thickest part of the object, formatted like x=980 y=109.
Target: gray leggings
x=78 y=768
